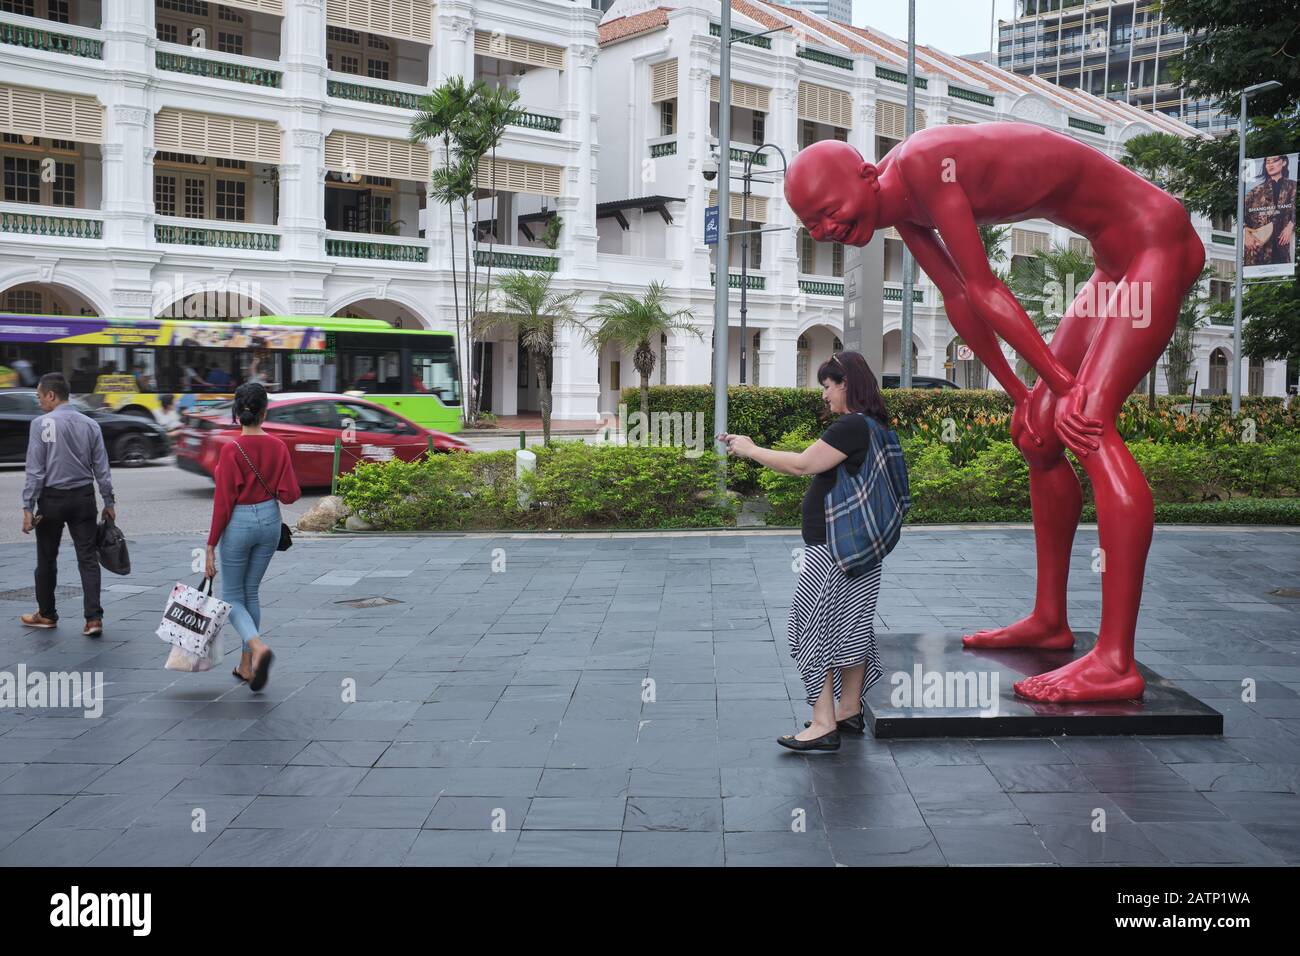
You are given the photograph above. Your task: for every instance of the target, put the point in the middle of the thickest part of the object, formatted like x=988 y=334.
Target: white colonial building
x=816 y=79
x=257 y=152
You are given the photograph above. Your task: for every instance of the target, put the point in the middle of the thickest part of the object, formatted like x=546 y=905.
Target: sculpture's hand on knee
x=1080 y=432
x=1021 y=426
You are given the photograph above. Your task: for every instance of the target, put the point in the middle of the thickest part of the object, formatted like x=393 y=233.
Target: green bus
x=127 y=365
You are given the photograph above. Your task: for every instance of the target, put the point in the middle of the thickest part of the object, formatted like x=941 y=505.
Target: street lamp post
x=1240 y=236
x=744 y=243
x=722 y=275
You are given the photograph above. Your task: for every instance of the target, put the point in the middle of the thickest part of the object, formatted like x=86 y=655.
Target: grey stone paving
x=499 y=715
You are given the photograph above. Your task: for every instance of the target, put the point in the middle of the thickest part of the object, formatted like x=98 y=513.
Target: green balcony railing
x=51 y=42
x=216 y=238
x=372 y=94
x=816 y=287
x=896 y=295
x=821 y=56
x=1223 y=240
x=64 y=227
x=733 y=280
x=740 y=36
x=894 y=76
x=738 y=156
x=658 y=150
x=547 y=124
x=516 y=260
x=387 y=251
x=1085 y=125
x=971 y=96
x=217 y=70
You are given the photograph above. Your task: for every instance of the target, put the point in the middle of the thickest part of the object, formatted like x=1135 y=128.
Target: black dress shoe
x=829 y=742
x=849 y=725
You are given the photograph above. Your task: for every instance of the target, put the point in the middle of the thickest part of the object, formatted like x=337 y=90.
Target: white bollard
x=524 y=461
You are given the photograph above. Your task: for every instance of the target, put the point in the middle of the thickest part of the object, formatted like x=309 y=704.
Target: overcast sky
x=955 y=26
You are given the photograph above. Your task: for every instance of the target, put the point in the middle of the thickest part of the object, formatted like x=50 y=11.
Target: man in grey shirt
x=65 y=457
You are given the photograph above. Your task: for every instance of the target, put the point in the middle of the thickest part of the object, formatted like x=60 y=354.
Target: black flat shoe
x=828 y=742
x=849 y=725
x=262 y=671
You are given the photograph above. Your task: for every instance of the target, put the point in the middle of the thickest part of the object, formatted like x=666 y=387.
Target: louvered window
x=823 y=104
x=499 y=46
x=745 y=95
x=363 y=155
x=517 y=176
x=663 y=81
x=404 y=19
x=29 y=112
x=207 y=134
x=891 y=119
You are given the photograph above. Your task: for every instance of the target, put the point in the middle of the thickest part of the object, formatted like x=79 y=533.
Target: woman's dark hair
x=250 y=403
x=861 y=392
x=1263 y=168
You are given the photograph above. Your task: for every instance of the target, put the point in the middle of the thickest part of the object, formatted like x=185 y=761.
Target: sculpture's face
x=833 y=192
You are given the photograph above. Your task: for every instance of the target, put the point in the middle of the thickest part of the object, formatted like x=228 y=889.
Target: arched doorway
x=23 y=363
x=892 y=352
x=1218 y=372
x=815 y=346
x=1255 y=380
x=964 y=367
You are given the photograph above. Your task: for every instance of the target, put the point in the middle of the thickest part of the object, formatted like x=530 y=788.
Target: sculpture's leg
x=1129 y=342
x=1054 y=493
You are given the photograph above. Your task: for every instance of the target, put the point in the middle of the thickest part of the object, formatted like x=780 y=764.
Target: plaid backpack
x=864 y=512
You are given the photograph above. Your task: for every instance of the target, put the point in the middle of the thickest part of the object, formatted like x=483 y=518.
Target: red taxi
x=308 y=423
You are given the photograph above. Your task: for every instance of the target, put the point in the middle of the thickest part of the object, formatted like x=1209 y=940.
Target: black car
x=918 y=381
x=130 y=440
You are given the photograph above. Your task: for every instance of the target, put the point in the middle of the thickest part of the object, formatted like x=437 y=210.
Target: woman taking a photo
x=832 y=615
x=253 y=477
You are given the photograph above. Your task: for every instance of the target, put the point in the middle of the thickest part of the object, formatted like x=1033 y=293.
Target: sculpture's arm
x=991 y=301
x=938 y=265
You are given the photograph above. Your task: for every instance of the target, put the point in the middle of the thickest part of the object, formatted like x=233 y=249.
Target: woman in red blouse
x=254 y=476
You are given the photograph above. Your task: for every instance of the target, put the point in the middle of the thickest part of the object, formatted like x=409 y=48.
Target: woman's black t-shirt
x=850 y=434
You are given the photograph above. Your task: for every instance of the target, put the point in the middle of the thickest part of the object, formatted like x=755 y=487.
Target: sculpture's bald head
x=833 y=191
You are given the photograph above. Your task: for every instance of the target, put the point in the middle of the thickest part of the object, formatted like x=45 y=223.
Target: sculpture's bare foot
x=1085 y=679
x=1030 y=632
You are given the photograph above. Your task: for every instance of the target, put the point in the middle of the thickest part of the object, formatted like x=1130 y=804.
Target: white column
x=302 y=154
x=578 y=237
x=127 y=149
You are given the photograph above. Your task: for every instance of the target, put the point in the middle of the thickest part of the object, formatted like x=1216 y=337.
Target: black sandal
x=239 y=677
x=262 y=671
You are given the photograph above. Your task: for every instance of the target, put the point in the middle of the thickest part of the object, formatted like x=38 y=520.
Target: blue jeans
x=245 y=551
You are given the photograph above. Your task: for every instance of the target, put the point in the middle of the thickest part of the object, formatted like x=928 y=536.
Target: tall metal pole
x=722 y=273
x=744 y=262
x=1239 y=242
x=905 y=333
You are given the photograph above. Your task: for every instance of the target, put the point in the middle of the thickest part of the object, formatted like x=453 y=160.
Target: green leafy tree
x=526 y=304
x=1239 y=43
x=633 y=322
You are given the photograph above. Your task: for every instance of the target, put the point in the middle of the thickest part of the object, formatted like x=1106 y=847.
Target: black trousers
x=74 y=507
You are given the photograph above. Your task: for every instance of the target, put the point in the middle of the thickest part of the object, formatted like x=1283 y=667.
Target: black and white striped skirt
x=832 y=622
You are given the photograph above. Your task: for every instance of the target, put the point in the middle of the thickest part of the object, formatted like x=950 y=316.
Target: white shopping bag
x=192 y=621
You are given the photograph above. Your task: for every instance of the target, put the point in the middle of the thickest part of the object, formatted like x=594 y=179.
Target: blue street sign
x=710 y=225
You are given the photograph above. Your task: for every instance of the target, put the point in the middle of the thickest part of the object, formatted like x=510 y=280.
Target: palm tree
x=437 y=113
x=495 y=108
x=1154 y=156
x=451 y=184
x=1041 y=282
x=525 y=303
x=632 y=322
x=992 y=237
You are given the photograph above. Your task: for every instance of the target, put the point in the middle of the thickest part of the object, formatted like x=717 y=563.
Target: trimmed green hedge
x=994 y=484
x=575 y=486
x=967 y=420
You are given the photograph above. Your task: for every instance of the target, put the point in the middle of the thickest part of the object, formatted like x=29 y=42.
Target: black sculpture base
x=948 y=691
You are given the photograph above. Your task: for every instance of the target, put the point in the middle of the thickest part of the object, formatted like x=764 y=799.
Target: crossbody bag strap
x=256 y=472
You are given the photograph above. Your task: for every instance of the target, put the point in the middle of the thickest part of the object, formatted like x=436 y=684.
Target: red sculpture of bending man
x=936 y=189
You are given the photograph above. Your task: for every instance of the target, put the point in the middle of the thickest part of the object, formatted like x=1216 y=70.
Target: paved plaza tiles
x=502 y=714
